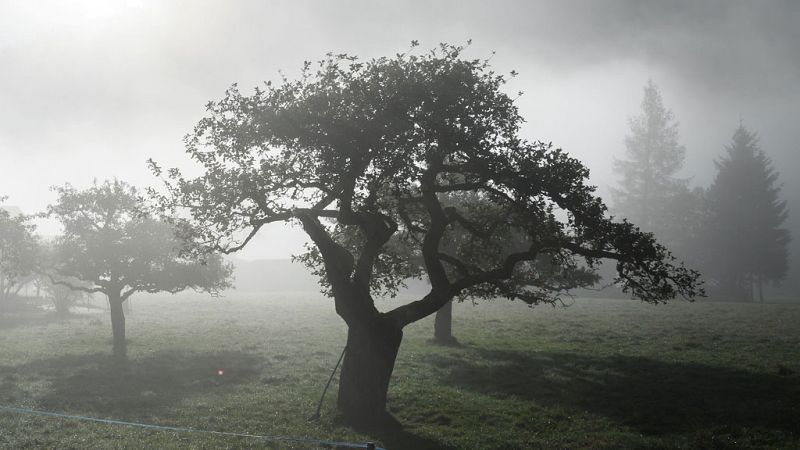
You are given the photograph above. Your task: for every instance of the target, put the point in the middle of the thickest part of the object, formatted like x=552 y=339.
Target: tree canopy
x=361 y=143
x=746 y=240
x=648 y=185
x=111 y=245
x=376 y=146
x=19 y=252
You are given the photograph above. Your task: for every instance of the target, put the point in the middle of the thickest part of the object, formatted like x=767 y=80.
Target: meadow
x=600 y=373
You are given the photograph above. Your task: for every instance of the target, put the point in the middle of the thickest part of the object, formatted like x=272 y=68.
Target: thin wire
x=323 y=443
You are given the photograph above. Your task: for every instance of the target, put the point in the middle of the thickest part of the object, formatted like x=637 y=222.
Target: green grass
x=598 y=374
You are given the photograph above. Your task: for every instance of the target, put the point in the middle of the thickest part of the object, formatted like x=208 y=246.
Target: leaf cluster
x=112 y=244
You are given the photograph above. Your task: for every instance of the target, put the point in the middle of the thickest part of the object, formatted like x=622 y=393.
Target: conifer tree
x=747 y=245
x=648 y=183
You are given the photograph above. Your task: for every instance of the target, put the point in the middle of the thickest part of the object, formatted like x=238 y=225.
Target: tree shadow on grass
x=391 y=434
x=141 y=388
x=651 y=396
x=400 y=439
x=10 y=321
x=20 y=313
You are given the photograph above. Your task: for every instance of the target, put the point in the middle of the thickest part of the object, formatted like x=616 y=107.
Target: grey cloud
x=133 y=84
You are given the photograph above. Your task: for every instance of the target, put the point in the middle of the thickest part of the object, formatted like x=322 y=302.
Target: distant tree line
x=732 y=230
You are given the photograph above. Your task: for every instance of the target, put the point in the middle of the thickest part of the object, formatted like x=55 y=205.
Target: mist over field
x=399 y=224
x=93 y=89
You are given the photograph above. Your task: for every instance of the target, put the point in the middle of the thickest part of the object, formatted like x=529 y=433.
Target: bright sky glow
x=93 y=88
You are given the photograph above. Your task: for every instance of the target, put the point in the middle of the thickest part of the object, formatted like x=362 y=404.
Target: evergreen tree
x=747 y=245
x=648 y=186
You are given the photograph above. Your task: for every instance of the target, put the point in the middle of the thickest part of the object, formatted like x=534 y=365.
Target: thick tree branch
x=124 y=296
x=505 y=271
x=414 y=311
x=438 y=226
x=339 y=262
x=65 y=283
x=378 y=229
x=278 y=217
x=354 y=306
x=591 y=253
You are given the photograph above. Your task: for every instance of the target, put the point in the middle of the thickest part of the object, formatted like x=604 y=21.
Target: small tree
x=746 y=241
x=648 y=184
x=112 y=246
x=19 y=253
x=63 y=297
x=362 y=155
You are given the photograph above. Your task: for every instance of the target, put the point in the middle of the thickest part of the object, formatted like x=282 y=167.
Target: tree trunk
x=760 y=284
x=118 y=326
x=368 y=365
x=2 y=292
x=443 y=325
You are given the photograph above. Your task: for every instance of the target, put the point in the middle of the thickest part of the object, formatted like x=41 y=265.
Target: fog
x=91 y=89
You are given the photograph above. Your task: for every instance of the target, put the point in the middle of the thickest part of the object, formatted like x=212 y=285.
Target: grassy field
x=598 y=374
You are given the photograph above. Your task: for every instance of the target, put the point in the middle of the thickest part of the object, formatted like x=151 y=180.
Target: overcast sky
x=92 y=88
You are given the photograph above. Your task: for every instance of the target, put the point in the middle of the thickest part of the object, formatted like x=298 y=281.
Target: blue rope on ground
x=318 y=442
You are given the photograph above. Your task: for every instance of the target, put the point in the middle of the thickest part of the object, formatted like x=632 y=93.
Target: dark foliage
x=747 y=244
x=376 y=147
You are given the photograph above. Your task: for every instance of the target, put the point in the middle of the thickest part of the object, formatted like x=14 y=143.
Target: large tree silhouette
x=375 y=146
x=746 y=242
